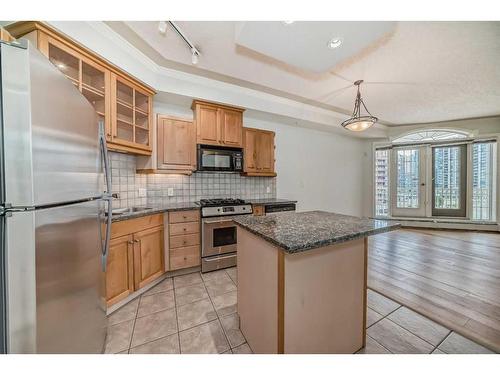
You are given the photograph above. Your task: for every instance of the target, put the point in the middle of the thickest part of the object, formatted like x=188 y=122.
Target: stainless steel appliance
x=52 y=210
x=219 y=159
x=218 y=232
x=275 y=208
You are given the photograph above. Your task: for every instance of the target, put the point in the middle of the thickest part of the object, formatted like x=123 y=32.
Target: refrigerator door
x=70 y=309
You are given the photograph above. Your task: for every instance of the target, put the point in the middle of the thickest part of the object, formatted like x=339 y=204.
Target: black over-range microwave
x=219 y=159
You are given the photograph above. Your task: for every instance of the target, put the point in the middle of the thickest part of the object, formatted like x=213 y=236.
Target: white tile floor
x=196 y=313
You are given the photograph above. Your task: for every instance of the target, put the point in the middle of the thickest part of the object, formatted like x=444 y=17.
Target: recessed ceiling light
x=61 y=65
x=288 y=22
x=162 y=27
x=334 y=43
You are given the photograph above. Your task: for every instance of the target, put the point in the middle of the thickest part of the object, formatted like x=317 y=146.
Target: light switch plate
x=142 y=192
x=268 y=189
x=170 y=192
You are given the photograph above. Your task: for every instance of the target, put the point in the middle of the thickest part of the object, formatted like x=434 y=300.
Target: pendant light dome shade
x=357 y=122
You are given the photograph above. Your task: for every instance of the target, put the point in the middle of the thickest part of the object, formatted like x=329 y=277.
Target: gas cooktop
x=221 y=202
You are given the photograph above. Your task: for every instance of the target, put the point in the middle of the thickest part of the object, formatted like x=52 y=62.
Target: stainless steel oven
x=219 y=236
x=218 y=232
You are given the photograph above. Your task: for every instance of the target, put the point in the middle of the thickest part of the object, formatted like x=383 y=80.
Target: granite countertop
x=267 y=201
x=157 y=208
x=299 y=231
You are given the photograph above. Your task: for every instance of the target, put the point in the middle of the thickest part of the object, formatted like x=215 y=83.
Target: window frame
x=473 y=138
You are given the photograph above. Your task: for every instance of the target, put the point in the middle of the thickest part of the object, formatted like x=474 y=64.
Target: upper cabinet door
x=232 y=127
x=131 y=109
x=207 y=124
x=176 y=144
x=250 y=150
x=265 y=156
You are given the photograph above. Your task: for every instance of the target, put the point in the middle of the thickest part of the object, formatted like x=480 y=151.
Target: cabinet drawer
x=184 y=257
x=184 y=240
x=184 y=216
x=184 y=228
x=125 y=227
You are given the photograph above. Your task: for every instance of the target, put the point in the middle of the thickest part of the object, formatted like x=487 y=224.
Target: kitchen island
x=302 y=281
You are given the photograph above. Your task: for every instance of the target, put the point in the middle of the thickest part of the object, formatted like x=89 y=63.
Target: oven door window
x=224 y=236
x=214 y=159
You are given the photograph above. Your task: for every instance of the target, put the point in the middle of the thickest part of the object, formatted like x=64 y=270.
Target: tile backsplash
x=126 y=182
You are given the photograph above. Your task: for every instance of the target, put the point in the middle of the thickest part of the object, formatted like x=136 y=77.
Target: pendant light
x=357 y=122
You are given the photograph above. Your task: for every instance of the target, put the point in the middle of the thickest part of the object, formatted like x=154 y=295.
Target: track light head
x=194 y=56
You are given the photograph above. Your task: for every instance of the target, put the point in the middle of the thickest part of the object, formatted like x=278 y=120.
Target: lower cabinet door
x=119 y=271
x=148 y=256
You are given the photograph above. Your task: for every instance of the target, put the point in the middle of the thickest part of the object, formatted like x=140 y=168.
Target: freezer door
x=15 y=126
x=66 y=157
x=69 y=282
x=50 y=129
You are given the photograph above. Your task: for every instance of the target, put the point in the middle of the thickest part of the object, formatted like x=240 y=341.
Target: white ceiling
x=419 y=72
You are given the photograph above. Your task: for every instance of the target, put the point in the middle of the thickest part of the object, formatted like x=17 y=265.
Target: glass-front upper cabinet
x=91 y=79
x=131 y=109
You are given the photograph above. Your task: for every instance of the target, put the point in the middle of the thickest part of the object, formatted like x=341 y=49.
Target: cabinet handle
x=185 y=258
x=130 y=242
x=184 y=229
x=137 y=241
x=184 y=242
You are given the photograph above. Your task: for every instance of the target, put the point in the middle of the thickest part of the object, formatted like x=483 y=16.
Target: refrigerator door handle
x=107 y=197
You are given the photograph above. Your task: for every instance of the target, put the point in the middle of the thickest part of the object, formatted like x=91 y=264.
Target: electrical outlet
x=170 y=192
x=142 y=192
x=268 y=189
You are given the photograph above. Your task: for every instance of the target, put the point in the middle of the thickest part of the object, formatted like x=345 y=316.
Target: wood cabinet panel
x=258 y=152
x=184 y=228
x=148 y=256
x=119 y=269
x=130 y=226
x=207 y=125
x=265 y=154
x=176 y=144
x=183 y=216
x=184 y=240
x=231 y=126
x=258 y=210
x=218 y=124
x=185 y=257
x=250 y=149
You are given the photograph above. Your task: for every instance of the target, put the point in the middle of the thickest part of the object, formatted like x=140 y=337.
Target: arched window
x=432 y=135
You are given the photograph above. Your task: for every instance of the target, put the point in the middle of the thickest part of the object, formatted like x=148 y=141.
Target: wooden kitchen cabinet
x=176 y=144
x=184 y=239
x=121 y=101
x=217 y=124
x=136 y=256
x=131 y=116
x=148 y=256
x=120 y=269
x=258 y=152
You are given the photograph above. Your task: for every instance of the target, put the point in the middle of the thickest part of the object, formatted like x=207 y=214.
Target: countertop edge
x=319 y=244
x=153 y=211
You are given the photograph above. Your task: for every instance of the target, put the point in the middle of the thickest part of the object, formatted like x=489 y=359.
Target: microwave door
x=214 y=160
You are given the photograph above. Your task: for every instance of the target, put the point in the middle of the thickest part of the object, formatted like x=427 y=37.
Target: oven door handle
x=217 y=221
x=218 y=258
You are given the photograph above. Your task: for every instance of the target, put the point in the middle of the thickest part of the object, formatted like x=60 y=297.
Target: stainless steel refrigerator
x=53 y=204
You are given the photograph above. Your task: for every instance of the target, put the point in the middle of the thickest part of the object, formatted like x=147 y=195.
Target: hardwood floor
x=452 y=277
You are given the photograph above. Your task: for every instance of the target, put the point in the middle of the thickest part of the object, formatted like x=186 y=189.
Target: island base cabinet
x=309 y=302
